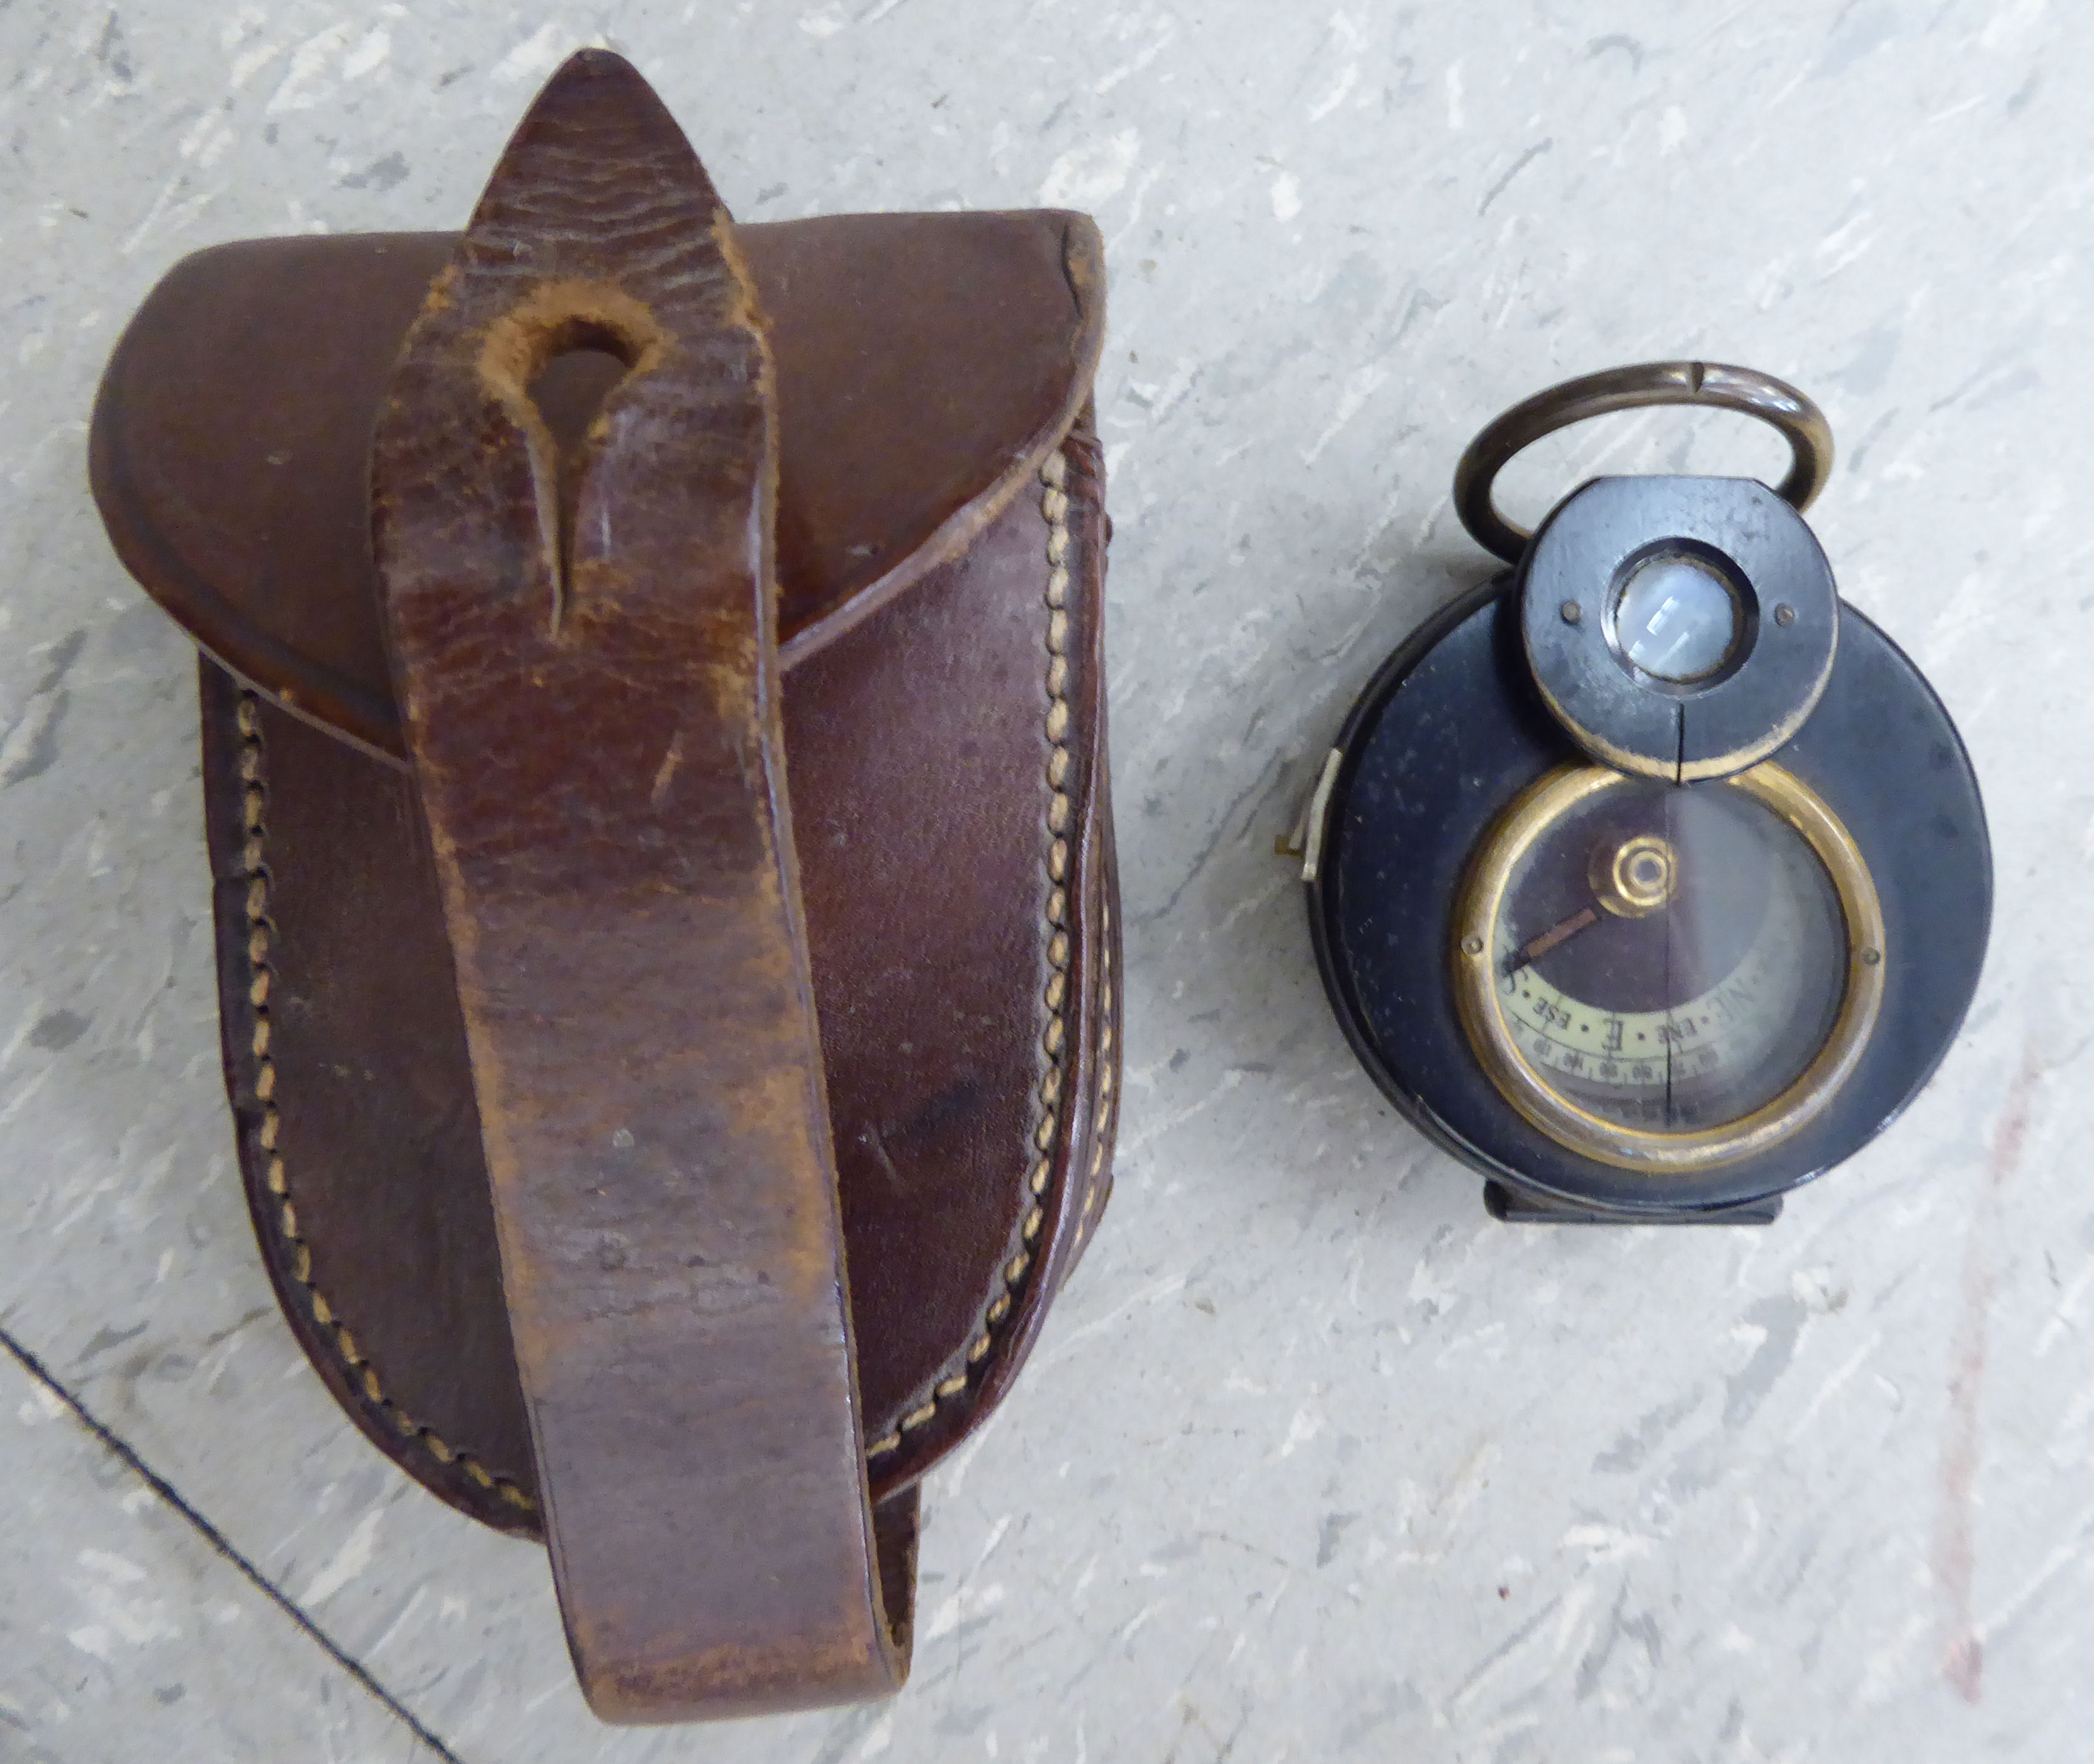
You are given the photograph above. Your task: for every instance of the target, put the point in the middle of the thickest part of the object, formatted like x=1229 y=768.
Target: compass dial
x=1661 y=975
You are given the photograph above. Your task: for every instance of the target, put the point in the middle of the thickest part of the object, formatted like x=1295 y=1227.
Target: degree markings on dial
x=1567 y=1035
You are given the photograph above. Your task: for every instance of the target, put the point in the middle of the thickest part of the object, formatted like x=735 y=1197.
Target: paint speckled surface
x=1315 y=1462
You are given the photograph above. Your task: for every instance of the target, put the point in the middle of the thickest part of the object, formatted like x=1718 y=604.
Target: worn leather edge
x=278 y=672
x=1083 y=263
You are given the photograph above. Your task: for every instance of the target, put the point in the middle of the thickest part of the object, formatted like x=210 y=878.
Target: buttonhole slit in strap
x=553 y=361
x=585 y=365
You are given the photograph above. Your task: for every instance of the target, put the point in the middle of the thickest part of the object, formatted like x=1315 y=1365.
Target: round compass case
x=1650 y=879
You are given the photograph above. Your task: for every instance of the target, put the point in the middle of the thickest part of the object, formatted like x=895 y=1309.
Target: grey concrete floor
x=1315 y=1460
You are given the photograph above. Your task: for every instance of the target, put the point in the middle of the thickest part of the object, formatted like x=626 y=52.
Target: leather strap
x=583 y=629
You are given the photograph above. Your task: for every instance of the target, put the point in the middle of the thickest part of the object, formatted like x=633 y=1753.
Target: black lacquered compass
x=1650 y=879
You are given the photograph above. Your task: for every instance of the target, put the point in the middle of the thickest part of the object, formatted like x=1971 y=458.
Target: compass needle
x=1583 y=919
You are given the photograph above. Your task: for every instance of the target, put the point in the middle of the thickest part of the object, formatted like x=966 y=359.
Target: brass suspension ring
x=1772 y=401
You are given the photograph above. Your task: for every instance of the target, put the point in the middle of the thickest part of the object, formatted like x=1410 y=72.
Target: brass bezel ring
x=1742 y=390
x=1538 y=807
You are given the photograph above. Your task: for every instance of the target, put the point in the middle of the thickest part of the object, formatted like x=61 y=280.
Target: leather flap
x=926 y=365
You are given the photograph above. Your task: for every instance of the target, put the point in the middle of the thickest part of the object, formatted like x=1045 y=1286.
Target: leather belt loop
x=582 y=612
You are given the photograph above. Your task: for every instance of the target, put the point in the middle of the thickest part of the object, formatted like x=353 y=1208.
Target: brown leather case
x=653 y=744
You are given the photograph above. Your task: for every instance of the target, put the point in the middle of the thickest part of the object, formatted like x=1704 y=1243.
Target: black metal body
x=1452 y=727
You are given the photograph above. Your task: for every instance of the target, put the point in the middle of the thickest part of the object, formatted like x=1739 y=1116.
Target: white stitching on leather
x=260 y=977
x=1054 y=508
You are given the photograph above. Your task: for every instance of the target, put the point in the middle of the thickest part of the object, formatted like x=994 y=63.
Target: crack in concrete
x=223 y=1545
